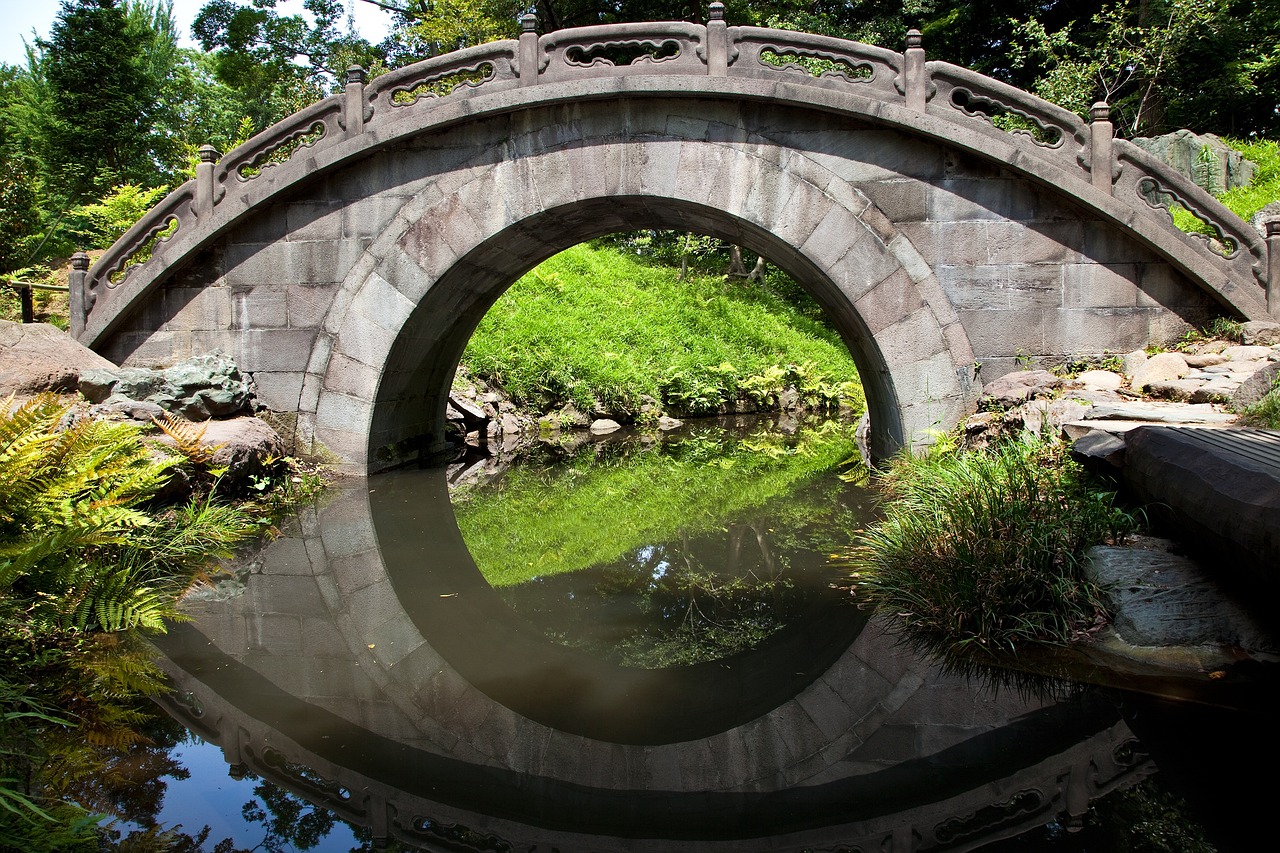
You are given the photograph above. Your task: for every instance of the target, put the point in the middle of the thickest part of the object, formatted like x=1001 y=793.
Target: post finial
x=715 y=12
x=209 y=154
x=356 y=74
x=1272 y=226
x=529 y=22
x=915 y=38
x=80 y=261
x=1100 y=111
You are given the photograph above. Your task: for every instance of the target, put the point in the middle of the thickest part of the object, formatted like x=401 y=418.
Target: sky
x=19 y=17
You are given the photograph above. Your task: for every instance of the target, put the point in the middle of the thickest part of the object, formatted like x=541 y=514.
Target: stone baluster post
x=915 y=82
x=1101 y=155
x=528 y=58
x=1273 y=266
x=79 y=299
x=204 y=179
x=353 y=112
x=717 y=41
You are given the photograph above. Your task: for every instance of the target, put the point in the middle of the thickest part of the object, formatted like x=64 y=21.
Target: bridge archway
x=348 y=277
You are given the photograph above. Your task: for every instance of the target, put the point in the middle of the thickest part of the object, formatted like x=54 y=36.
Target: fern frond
x=187 y=437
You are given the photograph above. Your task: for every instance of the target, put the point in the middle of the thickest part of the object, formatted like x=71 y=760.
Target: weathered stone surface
x=1161 y=367
x=1213 y=392
x=207 y=386
x=1261 y=332
x=36 y=357
x=246 y=447
x=1166 y=599
x=1014 y=388
x=1154 y=412
x=1175 y=389
x=1100 y=380
x=1220 y=489
x=604 y=426
x=1204 y=159
x=1256 y=386
x=1259 y=219
x=1205 y=359
x=1099 y=450
x=1247 y=353
x=1132 y=361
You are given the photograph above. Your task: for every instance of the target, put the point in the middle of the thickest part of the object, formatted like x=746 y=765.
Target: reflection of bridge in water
x=377 y=675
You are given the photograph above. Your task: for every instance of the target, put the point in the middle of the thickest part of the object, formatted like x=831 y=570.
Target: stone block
x=961 y=199
x=1002 y=287
x=313 y=220
x=382 y=304
x=260 y=307
x=273 y=350
x=899 y=199
x=361 y=340
x=342 y=412
x=1008 y=334
x=1091 y=285
x=889 y=302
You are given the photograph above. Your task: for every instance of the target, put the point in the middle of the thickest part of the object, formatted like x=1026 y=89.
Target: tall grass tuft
x=981 y=551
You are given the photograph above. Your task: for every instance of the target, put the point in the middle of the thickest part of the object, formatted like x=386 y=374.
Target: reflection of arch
x=317 y=669
x=510 y=661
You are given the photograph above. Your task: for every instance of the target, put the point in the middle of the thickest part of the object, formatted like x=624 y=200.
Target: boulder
x=1099 y=380
x=1261 y=332
x=1256 y=386
x=604 y=426
x=1020 y=386
x=1247 y=353
x=1099 y=451
x=1259 y=219
x=206 y=386
x=246 y=447
x=1161 y=367
x=1204 y=159
x=37 y=357
x=1132 y=361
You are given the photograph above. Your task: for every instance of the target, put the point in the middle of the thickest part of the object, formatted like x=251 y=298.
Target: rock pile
x=1205 y=385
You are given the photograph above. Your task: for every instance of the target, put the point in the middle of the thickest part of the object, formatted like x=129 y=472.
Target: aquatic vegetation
x=980 y=551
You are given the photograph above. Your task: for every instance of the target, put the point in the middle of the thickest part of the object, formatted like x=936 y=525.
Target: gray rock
x=1099 y=380
x=1204 y=159
x=1259 y=219
x=1247 y=353
x=1256 y=386
x=604 y=426
x=1213 y=392
x=36 y=357
x=666 y=423
x=1165 y=599
x=207 y=386
x=1161 y=367
x=1204 y=359
x=1020 y=386
x=1262 y=332
x=1097 y=451
x=1175 y=389
x=1165 y=413
x=246 y=447
x=1132 y=361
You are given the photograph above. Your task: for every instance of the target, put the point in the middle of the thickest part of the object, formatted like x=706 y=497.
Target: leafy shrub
x=979 y=551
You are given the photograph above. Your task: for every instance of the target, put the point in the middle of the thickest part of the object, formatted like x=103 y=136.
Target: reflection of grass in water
x=588 y=511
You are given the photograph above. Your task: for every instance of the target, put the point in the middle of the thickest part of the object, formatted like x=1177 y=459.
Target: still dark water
x=640 y=646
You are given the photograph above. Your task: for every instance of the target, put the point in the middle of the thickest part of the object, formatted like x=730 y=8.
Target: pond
x=632 y=645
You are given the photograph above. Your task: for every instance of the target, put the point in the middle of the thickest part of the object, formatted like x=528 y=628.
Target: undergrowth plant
x=980 y=551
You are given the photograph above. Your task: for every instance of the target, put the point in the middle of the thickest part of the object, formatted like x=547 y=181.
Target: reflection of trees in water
x=700 y=597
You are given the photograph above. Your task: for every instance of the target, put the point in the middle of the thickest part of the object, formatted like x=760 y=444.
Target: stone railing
x=1031 y=135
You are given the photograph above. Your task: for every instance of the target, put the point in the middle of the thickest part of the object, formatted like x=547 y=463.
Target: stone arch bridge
x=345 y=255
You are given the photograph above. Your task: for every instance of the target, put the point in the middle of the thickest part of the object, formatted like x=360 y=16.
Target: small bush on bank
x=982 y=550
x=1265 y=413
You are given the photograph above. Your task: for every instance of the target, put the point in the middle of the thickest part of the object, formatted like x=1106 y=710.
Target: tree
x=103 y=83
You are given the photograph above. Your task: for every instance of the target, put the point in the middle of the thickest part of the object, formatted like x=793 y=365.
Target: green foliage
x=591 y=510
x=593 y=326
x=98 y=224
x=981 y=551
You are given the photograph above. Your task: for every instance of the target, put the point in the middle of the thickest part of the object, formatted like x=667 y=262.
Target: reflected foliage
x=692 y=551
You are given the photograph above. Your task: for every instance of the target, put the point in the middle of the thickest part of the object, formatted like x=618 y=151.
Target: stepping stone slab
x=1219 y=488
x=1243 y=353
x=1165 y=413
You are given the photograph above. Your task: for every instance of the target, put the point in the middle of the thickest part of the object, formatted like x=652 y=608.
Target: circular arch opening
x=408 y=420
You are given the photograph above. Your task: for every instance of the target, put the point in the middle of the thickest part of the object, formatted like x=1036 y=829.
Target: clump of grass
x=980 y=551
x=1265 y=413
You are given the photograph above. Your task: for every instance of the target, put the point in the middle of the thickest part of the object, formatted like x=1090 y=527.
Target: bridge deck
x=1222 y=486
